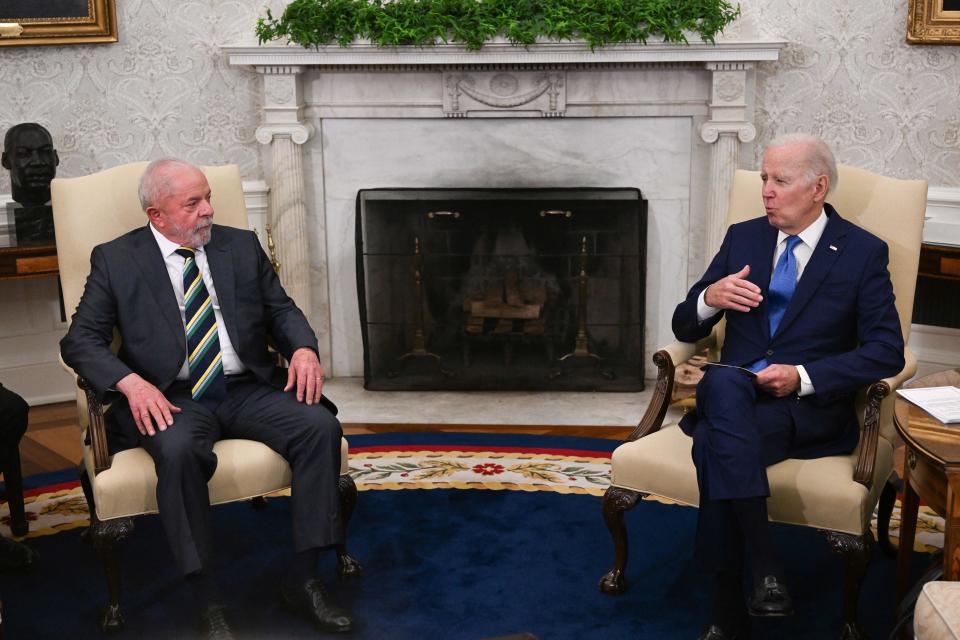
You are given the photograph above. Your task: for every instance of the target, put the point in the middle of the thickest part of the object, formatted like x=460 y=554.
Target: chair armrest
x=96 y=429
x=666 y=360
x=876 y=392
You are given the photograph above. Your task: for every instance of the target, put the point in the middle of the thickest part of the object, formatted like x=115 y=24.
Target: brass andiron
x=581 y=348
x=419 y=340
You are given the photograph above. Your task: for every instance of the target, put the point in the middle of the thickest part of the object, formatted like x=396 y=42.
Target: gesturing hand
x=147 y=404
x=733 y=292
x=779 y=379
x=307 y=374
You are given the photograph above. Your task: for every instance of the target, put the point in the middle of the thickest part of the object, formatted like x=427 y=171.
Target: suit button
x=769 y=352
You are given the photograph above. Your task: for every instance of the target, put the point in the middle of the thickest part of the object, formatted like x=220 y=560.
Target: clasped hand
x=778 y=380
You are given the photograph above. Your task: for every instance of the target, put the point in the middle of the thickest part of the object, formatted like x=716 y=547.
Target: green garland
x=313 y=23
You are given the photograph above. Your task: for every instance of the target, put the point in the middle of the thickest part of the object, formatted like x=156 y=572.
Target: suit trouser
x=739 y=431
x=307 y=436
x=14 y=413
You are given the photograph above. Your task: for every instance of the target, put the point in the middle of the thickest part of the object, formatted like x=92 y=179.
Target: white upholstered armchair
x=88 y=211
x=835 y=494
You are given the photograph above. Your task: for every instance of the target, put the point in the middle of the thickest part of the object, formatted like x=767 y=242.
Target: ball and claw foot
x=111 y=619
x=348 y=567
x=613 y=583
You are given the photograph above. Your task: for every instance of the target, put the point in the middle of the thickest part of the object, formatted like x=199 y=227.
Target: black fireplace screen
x=502 y=289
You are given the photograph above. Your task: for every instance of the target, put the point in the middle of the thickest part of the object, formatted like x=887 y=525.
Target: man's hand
x=306 y=374
x=779 y=379
x=147 y=404
x=733 y=292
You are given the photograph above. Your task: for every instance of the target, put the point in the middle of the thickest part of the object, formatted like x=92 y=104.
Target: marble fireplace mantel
x=692 y=104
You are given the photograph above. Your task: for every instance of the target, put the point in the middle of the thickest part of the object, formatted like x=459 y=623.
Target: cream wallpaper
x=165 y=89
x=848 y=75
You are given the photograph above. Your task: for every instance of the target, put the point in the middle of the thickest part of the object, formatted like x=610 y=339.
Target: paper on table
x=943 y=403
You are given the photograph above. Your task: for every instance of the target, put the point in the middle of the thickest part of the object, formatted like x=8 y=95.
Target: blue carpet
x=442 y=564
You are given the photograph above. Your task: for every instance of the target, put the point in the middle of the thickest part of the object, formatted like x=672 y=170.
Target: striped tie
x=203 y=342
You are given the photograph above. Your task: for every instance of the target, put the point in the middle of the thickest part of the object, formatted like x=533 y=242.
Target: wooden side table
x=30 y=261
x=931 y=473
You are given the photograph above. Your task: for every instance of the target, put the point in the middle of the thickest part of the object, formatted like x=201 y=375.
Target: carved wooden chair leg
x=105 y=536
x=13 y=485
x=856 y=552
x=616 y=501
x=888 y=498
x=347 y=565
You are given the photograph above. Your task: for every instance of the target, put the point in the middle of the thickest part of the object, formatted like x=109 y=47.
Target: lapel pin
x=832 y=248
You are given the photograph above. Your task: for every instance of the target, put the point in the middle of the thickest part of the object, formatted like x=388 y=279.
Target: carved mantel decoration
x=711 y=84
x=518 y=92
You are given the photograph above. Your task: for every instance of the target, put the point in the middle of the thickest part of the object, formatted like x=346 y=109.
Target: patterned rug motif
x=61 y=507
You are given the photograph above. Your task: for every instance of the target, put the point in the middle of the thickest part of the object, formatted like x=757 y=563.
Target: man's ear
x=821 y=185
x=153 y=214
x=4 y=161
x=56 y=158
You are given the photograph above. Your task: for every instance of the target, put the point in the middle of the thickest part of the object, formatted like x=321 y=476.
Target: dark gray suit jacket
x=129 y=289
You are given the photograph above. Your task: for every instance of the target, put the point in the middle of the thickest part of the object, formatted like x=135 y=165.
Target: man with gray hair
x=195 y=304
x=810 y=319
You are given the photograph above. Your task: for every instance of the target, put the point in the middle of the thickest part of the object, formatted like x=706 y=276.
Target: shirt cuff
x=806 y=385
x=705 y=311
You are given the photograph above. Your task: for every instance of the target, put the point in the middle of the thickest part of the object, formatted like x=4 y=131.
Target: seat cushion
x=245 y=469
x=817 y=493
x=937 y=614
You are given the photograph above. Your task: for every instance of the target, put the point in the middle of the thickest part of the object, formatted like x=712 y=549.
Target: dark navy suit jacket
x=841 y=325
x=129 y=288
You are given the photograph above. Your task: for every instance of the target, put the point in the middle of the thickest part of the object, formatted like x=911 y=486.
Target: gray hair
x=819 y=158
x=155 y=183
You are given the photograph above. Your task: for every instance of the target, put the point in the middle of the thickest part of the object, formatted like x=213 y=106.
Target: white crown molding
x=365 y=54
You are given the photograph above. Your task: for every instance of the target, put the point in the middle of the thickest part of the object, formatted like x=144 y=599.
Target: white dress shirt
x=809 y=238
x=175 y=263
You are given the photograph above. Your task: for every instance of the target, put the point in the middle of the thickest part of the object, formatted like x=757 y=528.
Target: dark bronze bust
x=29 y=155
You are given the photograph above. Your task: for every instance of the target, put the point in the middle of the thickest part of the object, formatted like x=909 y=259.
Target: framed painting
x=933 y=22
x=26 y=22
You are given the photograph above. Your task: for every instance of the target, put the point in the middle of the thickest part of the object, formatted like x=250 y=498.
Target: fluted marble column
x=285 y=131
x=727 y=128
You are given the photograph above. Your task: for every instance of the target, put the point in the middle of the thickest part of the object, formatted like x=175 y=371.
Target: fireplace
x=673 y=120
x=502 y=289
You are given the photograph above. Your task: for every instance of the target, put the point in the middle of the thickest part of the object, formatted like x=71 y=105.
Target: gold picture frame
x=933 y=22
x=83 y=21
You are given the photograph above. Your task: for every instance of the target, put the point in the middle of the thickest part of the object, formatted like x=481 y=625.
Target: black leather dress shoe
x=310 y=599
x=214 y=625
x=770 y=598
x=714 y=632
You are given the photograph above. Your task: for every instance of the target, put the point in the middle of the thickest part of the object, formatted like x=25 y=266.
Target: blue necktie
x=203 y=341
x=782 y=285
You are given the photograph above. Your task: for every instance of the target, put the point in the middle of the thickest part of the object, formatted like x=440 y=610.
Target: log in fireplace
x=502 y=289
